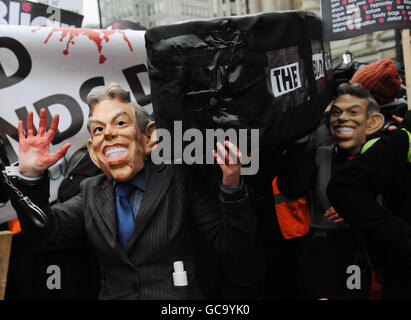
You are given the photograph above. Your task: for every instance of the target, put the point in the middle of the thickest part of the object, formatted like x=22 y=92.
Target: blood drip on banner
x=93 y=34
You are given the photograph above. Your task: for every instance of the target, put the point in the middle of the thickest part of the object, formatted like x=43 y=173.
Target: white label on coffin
x=318 y=66
x=285 y=79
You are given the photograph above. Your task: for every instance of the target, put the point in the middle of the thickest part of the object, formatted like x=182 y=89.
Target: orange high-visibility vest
x=293 y=215
x=14 y=226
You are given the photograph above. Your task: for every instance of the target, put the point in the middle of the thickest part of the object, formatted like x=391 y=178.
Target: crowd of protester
x=323 y=204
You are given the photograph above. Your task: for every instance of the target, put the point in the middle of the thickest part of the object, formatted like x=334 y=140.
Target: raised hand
x=333 y=215
x=398 y=119
x=230 y=166
x=34 y=150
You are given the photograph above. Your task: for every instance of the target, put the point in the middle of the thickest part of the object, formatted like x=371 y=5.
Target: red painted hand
x=230 y=166
x=34 y=150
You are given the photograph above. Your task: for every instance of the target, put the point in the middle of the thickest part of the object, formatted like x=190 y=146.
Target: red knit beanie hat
x=381 y=79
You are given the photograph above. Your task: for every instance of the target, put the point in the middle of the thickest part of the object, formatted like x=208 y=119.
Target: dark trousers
x=27 y=276
x=396 y=278
x=325 y=258
x=283 y=278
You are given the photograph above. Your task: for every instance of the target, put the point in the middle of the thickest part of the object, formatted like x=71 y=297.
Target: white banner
x=55 y=68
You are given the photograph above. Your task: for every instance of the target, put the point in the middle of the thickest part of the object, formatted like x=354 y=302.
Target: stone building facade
x=365 y=48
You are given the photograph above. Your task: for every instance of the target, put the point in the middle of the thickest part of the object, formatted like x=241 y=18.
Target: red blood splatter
x=364 y=7
x=367 y=17
x=381 y=20
x=389 y=8
x=92 y=34
x=116 y=25
x=26 y=7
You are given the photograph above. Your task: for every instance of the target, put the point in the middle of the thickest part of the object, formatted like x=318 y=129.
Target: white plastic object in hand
x=179 y=275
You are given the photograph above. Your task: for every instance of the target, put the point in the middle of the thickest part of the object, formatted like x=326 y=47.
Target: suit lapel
x=157 y=186
x=104 y=206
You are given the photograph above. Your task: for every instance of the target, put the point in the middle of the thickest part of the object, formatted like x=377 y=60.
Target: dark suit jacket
x=176 y=206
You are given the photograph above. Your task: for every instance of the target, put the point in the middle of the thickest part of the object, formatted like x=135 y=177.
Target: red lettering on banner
x=92 y=34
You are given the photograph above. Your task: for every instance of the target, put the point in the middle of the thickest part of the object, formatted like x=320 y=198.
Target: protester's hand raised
x=301 y=140
x=230 y=163
x=34 y=150
x=333 y=215
x=398 y=119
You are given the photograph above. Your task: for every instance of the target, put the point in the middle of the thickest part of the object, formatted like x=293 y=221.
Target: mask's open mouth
x=115 y=154
x=344 y=132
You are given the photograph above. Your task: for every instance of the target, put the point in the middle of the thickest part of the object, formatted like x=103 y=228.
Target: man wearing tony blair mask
x=331 y=245
x=139 y=217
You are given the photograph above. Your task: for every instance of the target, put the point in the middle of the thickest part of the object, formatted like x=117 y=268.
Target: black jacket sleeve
x=298 y=171
x=58 y=227
x=229 y=224
x=383 y=169
x=32 y=207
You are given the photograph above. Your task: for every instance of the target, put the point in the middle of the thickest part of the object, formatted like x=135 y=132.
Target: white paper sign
x=285 y=79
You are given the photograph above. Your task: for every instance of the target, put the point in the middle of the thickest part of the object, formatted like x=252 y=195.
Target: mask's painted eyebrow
x=355 y=106
x=348 y=108
x=95 y=121
x=118 y=114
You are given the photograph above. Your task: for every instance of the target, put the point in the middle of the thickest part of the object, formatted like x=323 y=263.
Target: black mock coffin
x=268 y=71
